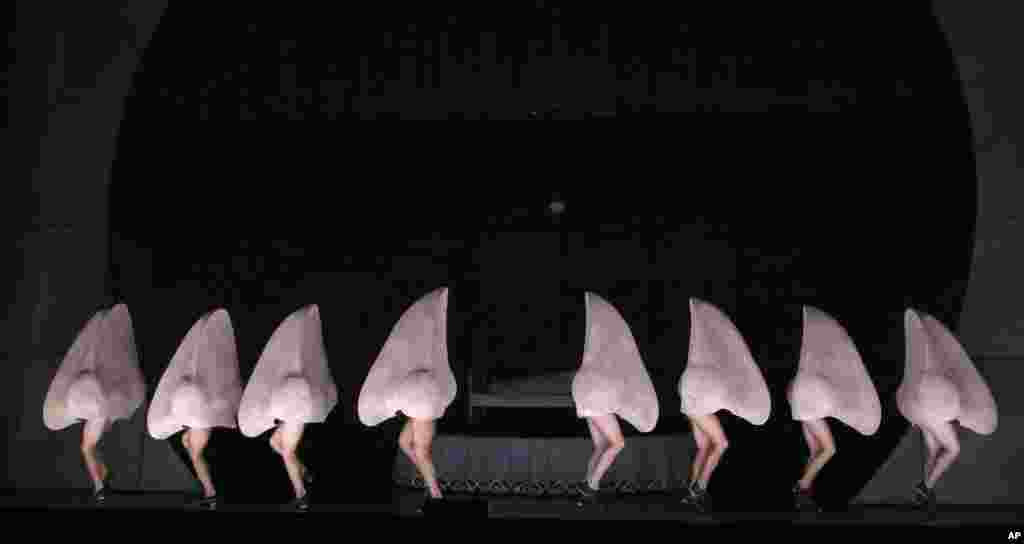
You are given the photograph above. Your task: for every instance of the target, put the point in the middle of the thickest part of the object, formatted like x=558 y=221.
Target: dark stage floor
x=406 y=503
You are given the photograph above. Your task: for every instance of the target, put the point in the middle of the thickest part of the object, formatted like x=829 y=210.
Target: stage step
x=553 y=466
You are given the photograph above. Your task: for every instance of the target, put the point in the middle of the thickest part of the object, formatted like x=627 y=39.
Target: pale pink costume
x=411 y=373
x=721 y=373
x=202 y=386
x=940 y=383
x=100 y=376
x=291 y=382
x=612 y=378
x=831 y=380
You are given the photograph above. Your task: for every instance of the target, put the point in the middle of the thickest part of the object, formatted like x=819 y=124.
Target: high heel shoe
x=428 y=502
x=588 y=495
x=698 y=497
x=205 y=502
x=301 y=504
x=923 y=497
x=803 y=500
x=691 y=495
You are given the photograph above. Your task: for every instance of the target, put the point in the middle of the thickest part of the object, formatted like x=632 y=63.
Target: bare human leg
x=822 y=447
x=289 y=435
x=608 y=426
x=949 y=449
x=711 y=427
x=423 y=439
x=600 y=445
x=92 y=432
x=701 y=457
x=198 y=439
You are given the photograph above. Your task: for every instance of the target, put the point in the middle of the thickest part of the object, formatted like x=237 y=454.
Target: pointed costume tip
x=314 y=310
x=912 y=316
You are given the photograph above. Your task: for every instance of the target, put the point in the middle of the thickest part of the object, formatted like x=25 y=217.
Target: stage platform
x=550 y=466
x=652 y=506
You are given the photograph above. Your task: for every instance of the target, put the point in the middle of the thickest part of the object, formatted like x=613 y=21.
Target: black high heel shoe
x=205 y=502
x=698 y=497
x=588 y=495
x=691 y=495
x=100 y=496
x=301 y=504
x=804 y=501
x=923 y=498
x=428 y=502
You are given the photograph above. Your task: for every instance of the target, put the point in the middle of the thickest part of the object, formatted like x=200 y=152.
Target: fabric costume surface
x=831 y=380
x=940 y=383
x=411 y=373
x=202 y=386
x=721 y=372
x=99 y=376
x=612 y=378
x=291 y=382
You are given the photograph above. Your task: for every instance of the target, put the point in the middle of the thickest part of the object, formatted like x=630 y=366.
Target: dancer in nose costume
x=940 y=386
x=99 y=382
x=831 y=382
x=201 y=389
x=612 y=381
x=720 y=375
x=290 y=387
x=412 y=376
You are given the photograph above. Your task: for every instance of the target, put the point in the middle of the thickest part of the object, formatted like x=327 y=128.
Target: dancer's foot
x=804 y=500
x=698 y=497
x=301 y=504
x=100 y=495
x=588 y=495
x=204 y=501
x=703 y=499
x=692 y=494
x=429 y=501
x=923 y=497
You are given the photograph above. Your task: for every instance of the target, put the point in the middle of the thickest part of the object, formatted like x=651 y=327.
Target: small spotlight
x=557 y=207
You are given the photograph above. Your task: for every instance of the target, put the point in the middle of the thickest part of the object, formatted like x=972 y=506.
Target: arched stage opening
x=759 y=215
x=861 y=212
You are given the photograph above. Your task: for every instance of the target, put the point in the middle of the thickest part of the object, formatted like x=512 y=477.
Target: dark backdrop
x=861 y=213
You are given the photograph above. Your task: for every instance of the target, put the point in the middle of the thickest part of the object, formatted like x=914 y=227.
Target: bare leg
x=931 y=452
x=92 y=431
x=600 y=445
x=186 y=440
x=277 y=444
x=405 y=442
x=812 y=443
x=198 y=438
x=289 y=435
x=822 y=450
x=701 y=457
x=710 y=425
x=423 y=439
x=949 y=445
x=608 y=426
